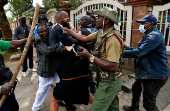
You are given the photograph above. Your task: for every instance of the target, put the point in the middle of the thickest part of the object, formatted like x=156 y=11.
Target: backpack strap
x=120 y=41
x=105 y=44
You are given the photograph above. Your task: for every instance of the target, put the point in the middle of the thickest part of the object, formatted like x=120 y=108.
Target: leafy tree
x=16 y=7
x=51 y=3
x=10 y=19
x=55 y=3
x=4 y=24
x=19 y=6
x=75 y=3
x=28 y=15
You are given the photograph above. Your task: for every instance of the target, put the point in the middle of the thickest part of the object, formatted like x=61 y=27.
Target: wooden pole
x=24 y=52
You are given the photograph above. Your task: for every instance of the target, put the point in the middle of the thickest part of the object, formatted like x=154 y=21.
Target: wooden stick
x=24 y=52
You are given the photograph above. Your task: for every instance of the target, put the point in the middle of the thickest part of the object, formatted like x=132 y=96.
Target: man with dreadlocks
x=105 y=59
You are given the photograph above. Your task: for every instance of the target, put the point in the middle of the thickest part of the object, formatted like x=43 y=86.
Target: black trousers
x=30 y=56
x=151 y=88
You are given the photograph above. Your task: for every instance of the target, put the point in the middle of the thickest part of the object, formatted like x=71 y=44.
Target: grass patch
x=3 y=52
x=7 y=56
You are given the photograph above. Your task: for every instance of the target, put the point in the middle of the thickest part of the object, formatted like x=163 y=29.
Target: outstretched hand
x=65 y=29
x=79 y=28
x=125 y=46
x=83 y=54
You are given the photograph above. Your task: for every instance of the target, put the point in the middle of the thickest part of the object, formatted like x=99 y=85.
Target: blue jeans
x=30 y=56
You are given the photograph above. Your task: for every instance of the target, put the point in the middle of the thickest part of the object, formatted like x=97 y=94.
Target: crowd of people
x=70 y=57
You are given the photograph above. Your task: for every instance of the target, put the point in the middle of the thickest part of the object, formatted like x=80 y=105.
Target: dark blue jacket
x=150 y=56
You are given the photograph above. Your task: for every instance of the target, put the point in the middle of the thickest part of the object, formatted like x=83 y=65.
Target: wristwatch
x=91 y=59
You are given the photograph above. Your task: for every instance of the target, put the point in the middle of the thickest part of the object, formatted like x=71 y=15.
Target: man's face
x=23 y=21
x=43 y=32
x=93 y=22
x=64 y=19
x=43 y=21
x=99 y=22
x=146 y=25
x=93 y=16
x=83 y=21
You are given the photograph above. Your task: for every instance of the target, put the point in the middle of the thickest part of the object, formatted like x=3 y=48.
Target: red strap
x=76 y=77
x=105 y=44
x=116 y=37
x=119 y=77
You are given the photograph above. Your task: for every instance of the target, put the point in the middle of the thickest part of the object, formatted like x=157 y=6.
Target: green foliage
x=28 y=15
x=19 y=6
x=8 y=55
x=75 y=4
x=55 y=3
x=1 y=13
x=6 y=23
x=51 y=3
x=10 y=19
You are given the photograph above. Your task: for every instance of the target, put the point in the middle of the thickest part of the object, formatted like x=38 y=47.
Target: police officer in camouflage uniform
x=105 y=59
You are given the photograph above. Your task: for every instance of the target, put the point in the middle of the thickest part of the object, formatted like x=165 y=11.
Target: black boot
x=129 y=108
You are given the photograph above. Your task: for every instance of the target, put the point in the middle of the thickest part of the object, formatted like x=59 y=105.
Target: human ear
x=107 y=21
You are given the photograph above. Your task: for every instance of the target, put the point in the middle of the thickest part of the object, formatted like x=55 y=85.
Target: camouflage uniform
x=109 y=48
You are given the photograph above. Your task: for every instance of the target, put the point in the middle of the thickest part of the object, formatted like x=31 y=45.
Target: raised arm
x=47 y=50
x=152 y=42
x=17 y=43
x=79 y=37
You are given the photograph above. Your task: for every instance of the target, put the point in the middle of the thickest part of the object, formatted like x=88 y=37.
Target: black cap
x=42 y=16
x=22 y=17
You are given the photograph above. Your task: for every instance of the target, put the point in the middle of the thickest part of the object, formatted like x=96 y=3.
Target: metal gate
x=162 y=14
x=124 y=15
